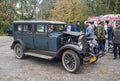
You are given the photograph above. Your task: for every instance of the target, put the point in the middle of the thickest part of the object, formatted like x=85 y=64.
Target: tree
x=102 y=7
x=69 y=11
x=26 y=9
x=6 y=15
x=44 y=11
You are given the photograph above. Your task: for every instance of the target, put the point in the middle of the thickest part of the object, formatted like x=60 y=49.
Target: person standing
x=67 y=28
x=106 y=35
x=100 y=37
x=85 y=26
x=115 y=38
x=109 y=31
x=76 y=27
x=90 y=32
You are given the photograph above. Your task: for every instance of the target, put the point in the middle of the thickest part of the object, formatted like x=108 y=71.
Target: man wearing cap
x=115 y=38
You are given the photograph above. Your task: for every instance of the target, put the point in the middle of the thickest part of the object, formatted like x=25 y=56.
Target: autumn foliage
x=58 y=10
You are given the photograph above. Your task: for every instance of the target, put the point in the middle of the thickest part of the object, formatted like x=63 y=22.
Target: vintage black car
x=48 y=40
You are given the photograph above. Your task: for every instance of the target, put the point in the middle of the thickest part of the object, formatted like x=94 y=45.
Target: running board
x=40 y=55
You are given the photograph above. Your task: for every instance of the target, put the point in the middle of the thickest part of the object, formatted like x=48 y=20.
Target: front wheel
x=19 y=51
x=70 y=61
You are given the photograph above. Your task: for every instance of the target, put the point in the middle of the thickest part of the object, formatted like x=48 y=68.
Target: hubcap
x=69 y=61
x=18 y=51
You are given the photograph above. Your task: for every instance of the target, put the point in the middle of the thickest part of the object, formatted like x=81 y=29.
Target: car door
x=40 y=37
x=27 y=35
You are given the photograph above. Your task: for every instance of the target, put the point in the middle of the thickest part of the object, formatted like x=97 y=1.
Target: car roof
x=39 y=21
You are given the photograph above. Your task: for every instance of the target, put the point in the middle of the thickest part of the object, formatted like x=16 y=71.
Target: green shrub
x=4 y=25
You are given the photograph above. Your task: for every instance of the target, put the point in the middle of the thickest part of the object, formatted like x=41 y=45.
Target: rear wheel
x=110 y=50
x=70 y=61
x=19 y=51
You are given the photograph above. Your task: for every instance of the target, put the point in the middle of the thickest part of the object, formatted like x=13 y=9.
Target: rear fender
x=20 y=42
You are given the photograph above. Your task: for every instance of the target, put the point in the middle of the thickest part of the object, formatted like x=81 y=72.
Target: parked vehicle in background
x=9 y=31
x=48 y=40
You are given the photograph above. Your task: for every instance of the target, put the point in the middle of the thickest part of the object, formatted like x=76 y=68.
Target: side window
x=17 y=28
x=27 y=28
x=50 y=28
x=40 y=28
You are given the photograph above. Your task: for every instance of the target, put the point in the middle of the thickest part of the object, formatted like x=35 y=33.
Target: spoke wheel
x=70 y=61
x=19 y=51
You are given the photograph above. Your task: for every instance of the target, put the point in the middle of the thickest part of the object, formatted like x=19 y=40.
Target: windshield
x=55 y=27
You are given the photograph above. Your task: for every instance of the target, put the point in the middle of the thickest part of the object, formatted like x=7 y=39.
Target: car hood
x=74 y=33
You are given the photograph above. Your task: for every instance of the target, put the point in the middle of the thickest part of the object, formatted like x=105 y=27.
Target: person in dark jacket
x=76 y=27
x=115 y=38
x=109 y=31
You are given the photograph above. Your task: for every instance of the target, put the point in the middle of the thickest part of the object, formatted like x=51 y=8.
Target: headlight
x=91 y=44
x=80 y=45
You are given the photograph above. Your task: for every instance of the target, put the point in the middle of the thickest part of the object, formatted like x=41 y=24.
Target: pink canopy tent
x=115 y=18
x=93 y=18
x=105 y=17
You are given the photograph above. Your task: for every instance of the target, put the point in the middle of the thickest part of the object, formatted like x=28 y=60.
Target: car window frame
x=27 y=32
x=53 y=28
x=40 y=33
x=14 y=28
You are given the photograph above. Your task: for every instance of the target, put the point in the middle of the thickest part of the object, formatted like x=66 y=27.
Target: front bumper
x=89 y=59
x=93 y=59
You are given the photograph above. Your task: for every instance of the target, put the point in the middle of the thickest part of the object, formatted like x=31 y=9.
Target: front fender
x=69 y=47
x=18 y=41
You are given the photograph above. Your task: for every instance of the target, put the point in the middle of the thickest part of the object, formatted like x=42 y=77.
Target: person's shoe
x=100 y=52
x=103 y=53
x=114 y=58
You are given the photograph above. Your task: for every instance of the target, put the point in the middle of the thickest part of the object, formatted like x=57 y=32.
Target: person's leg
x=104 y=42
x=108 y=43
x=98 y=41
x=102 y=46
x=119 y=50
x=115 y=51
